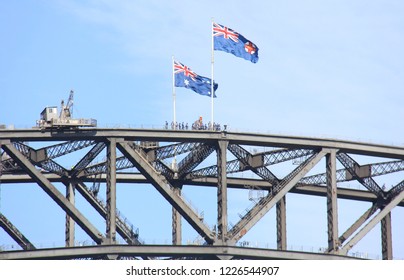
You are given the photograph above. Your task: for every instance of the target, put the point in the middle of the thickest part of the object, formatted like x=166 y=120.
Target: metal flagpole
x=174 y=163
x=212 y=88
x=174 y=117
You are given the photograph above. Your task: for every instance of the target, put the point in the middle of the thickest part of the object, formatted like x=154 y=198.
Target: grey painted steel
x=159 y=154
x=61 y=149
x=53 y=167
x=261 y=208
x=86 y=160
x=166 y=171
x=193 y=159
x=372 y=223
x=387 y=240
x=54 y=151
x=123 y=229
x=100 y=134
x=343 y=175
x=200 y=144
x=111 y=191
x=354 y=168
x=54 y=193
x=201 y=252
x=15 y=234
x=237 y=183
x=41 y=158
x=358 y=223
x=101 y=168
x=166 y=190
x=281 y=237
x=222 y=218
x=70 y=226
x=170 y=151
x=332 y=208
x=396 y=189
x=176 y=223
x=253 y=163
x=245 y=159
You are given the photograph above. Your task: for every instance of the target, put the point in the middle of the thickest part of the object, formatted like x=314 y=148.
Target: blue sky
x=326 y=68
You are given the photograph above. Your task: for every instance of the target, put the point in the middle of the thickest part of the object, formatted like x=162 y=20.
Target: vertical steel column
x=111 y=191
x=387 y=241
x=1 y=170
x=281 y=224
x=70 y=225
x=332 y=209
x=176 y=222
x=222 y=192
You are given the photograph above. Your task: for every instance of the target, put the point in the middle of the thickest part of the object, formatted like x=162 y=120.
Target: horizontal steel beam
x=54 y=193
x=166 y=190
x=101 y=134
x=235 y=183
x=205 y=252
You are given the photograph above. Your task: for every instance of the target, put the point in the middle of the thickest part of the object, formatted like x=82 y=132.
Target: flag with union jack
x=226 y=39
x=185 y=77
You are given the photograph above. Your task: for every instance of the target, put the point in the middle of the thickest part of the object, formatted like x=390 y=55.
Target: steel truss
x=146 y=156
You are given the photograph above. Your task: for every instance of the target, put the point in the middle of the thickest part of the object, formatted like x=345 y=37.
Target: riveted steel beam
x=199 y=252
x=269 y=140
x=15 y=234
x=222 y=217
x=248 y=161
x=193 y=159
x=43 y=157
x=372 y=223
x=255 y=164
x=165 y=188
x=126 y=231
x=396 y=190
x=281 y=237
x=99 y=168
x=53 y=167
x=37 y=157
x=53 y=192
x=70 y=225
x=176 y=223
x=111 y=191
x=358 y=223
x=172 y=150
x=88 y=158
x=332 y=208
x=161 y=167
x=386 y=235
x=278 y=191
x=53 y=151
x=62 y=149
x=368 y=170
x=355 y=170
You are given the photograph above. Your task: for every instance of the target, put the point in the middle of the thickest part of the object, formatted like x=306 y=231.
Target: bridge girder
x=19 y=161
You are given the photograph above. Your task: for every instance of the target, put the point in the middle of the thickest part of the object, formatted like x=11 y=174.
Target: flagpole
x=174 y=117
x=174 y=163
x=212 y=90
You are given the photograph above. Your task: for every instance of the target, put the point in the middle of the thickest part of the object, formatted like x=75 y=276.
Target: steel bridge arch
x=147 y=152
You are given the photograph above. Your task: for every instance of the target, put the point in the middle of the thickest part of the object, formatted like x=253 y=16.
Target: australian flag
x=226 y=39
x=185 y=77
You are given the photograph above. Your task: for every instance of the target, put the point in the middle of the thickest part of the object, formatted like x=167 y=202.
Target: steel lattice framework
x=150 y=157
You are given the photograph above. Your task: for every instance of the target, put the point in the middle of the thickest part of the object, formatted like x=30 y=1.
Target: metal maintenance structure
x=150 y=156
x=50 y=118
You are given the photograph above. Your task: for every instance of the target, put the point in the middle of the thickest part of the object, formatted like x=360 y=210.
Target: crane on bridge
x=49 y=117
